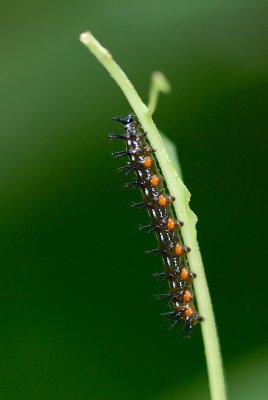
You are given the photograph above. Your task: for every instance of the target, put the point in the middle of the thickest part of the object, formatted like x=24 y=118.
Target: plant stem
x=181 y=205
x=159 y=83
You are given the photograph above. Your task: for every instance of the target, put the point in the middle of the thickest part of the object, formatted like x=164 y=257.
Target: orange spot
x=171 y=224
x=187 y=296
x=189 y=312
x=184 y=274
x=162 y=200
x=155 y=180
x=178 y=249
x=147 y=162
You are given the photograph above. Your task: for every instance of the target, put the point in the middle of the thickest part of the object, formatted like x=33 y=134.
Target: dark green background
x=78 y=320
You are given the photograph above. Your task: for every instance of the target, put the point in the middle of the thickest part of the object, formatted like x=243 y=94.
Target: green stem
x=181 y=205
x=159 y=83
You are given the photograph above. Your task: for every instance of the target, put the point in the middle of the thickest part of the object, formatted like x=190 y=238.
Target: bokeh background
x=78 y=319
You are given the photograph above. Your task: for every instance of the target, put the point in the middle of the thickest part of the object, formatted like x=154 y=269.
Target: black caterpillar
x=167 y=229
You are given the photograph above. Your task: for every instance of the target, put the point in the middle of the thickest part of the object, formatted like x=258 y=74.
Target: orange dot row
x=179 y=249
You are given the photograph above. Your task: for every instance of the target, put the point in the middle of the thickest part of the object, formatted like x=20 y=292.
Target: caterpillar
x=158 y=202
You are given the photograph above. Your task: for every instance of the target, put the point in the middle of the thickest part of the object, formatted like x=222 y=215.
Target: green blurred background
x=78 y=319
